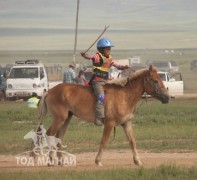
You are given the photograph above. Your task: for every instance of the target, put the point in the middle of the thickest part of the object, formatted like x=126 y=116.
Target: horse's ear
x=150 y=69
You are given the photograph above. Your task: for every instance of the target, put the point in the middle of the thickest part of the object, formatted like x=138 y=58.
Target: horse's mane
x=122 y=81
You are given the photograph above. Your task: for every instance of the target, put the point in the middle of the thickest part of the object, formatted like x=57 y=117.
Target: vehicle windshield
x=163 y=77
x=177 y=76
x=24 y=72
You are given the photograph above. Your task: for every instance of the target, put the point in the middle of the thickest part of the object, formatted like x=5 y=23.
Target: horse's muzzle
x=164 y=98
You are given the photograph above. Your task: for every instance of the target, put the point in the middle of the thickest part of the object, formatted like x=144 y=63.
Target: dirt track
x=111 y=159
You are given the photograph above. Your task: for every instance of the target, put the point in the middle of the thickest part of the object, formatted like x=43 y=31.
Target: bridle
x=154 y=84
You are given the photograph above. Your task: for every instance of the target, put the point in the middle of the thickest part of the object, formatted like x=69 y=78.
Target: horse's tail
x=42 y=107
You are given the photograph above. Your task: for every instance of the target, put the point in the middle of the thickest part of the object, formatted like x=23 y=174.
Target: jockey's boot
x=98 y=122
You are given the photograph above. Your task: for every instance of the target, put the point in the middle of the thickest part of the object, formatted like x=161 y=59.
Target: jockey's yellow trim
x=103 y=57
x=101 y=68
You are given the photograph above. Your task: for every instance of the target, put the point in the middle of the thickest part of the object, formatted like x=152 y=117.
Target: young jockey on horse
x=102 y=61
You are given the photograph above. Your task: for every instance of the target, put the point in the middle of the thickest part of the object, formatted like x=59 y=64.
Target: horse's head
x=153 y=85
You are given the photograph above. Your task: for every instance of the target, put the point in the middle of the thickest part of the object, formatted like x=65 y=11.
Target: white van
x=25 y=78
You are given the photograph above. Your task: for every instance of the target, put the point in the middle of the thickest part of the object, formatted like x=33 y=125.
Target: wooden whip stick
x=106 y=27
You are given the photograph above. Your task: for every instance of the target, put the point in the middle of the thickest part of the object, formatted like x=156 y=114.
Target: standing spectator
x=1 y=76
x=69 y=75
x=81 y=78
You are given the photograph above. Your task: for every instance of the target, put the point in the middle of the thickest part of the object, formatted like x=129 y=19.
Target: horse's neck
x=135 y=89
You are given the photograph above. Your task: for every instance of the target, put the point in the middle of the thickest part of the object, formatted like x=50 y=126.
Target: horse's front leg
x=129 y=133
x=108 y=126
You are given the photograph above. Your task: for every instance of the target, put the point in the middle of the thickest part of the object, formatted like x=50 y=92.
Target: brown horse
x=121 y=97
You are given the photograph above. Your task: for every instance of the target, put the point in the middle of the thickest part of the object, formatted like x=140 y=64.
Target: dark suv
x=168 y=66
x=2 y=85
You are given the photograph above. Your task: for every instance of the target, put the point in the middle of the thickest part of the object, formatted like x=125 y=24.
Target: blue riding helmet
x=104 y=42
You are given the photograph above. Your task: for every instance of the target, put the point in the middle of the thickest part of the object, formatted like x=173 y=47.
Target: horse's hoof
x=98 y=163
x=138 y=163
x=50 y=162
x=32 y=154
x=60 y=164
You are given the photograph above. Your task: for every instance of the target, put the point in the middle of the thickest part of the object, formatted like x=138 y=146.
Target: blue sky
x=135 y=15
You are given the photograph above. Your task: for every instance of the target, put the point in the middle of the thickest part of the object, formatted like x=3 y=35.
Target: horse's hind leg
x=106 y=133
x=60 y=134
x=58 y=122
x=129 y=133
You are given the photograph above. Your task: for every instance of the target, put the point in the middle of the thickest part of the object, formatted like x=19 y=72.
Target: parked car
x=114 y=73
x=2 y=85
x=172 y=82
x=132 y=69
x=25 y=78
x=168 y=66
x=193 y=65
x=134 y=60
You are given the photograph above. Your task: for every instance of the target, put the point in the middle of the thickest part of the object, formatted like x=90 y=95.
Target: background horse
x=121 y=97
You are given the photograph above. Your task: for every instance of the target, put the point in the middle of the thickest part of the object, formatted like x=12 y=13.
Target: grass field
x=157 y=127
x=163 y=172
